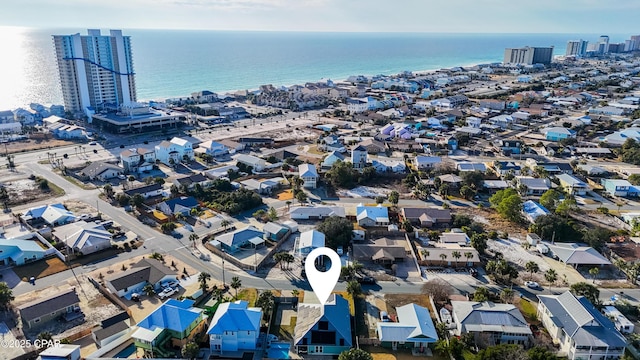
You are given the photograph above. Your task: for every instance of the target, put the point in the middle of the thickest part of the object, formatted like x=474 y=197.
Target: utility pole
x=223 y=282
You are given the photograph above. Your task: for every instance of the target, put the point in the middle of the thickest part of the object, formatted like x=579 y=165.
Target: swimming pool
x=278 y=351
x=126 y=352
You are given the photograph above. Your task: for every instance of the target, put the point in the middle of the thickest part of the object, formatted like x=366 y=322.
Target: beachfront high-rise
x=528 y=55
x=577 y=47
x=96 y=71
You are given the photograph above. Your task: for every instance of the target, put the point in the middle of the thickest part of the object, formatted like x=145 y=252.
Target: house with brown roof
x=145 y=271
x=63 y=305
x=426 y=217
x=373 y=146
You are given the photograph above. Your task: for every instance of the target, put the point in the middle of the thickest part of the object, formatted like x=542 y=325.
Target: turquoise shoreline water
x=173 y=63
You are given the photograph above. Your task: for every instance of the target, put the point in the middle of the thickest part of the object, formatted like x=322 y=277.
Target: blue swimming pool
x=126 y=352
x=278 y=351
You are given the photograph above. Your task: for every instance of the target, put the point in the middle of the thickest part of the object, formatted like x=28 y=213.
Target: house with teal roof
x=171 y=325
x=235 y=327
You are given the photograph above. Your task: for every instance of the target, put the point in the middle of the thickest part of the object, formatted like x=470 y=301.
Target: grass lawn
x=528 y=309
x=55 y=189
x=396 y=300
x=285 y=332
x=75 y=182
x=249 y=295
x=285 y=195
x=468 y=355
x=40 y=268
x=380 y=353
x=361 y=310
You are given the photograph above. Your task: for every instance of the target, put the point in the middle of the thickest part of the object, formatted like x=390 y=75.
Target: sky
x=461 y=16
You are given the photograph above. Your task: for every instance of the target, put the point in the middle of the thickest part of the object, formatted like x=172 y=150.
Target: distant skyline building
x=528 y=55
x=577 y=47
x=603 y=44
x=96 y=71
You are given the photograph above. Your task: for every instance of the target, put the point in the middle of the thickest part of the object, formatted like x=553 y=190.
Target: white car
x=167 y=292
x=532 y=285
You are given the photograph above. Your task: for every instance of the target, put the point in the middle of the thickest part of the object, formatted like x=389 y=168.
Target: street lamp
x=223 y=282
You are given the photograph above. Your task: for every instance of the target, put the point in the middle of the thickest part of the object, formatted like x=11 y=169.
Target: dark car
x=473 y=272
x=367 y=280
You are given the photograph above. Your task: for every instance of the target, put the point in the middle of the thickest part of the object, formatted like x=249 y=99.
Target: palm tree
x=551 y=276
x=225 y=224
x=507 y=295
x=236 y=283
x=149 y=290
x=202 y=279
x=353 y=288
x=425 y=254
x=594 y=273
x=443 y=257
x=108 y=190
x=288 y=258
x=193 y=238
x=468 y=255
x=532 y=267
x=279 y=258
x=456 y=255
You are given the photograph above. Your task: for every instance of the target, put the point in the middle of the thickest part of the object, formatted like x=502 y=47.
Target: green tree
x=510 y=208
x=394 y=198
x=634 y=179
x=532 y=267
x=479 y=242
x=355 y=354
x=568 y=205
x=266 y=302
x=380 y=199
x=550 y=199
x=6 y=296
x=456 y=255
x=506 y=295
x=301 y=196
x=406 y=225
x=202 y=279
x=551 y=276
x=481 y=294
x=467 y=192
x=157 y=256
x=337 y=231
x=108 y=191
x=594 y=273
x=236 y=284
x=473 y=179
x=587 y=290
x=194 y=239
x=451 y=347
x=168 y=227
x=272 y=215
x=148 y=290
x=353 y=288
x=190 y=350
x=137 y=200
x=502 y=352
x=539 y=353
x=342 y=175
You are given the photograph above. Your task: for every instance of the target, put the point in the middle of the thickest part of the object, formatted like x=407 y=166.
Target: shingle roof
x=240 y=236
x=97 y=168
x=150 y=270
x=143 y=189
x=40 y=307
x=572 y=253
x=104 y=333
x=79 y=234
x=235 y=316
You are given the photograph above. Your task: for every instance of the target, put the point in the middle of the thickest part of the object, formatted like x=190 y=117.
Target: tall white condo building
x=96 y=71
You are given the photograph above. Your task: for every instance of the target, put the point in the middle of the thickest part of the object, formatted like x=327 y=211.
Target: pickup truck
x=167 y=292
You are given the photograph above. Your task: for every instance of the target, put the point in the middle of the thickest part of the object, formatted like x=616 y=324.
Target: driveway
x=10 y=277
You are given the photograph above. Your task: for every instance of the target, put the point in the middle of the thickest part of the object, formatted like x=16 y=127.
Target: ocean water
x=175 y=63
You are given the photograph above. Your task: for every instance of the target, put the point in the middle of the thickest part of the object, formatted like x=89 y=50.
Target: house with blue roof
x=579 y=328
x=372 y=215
x=557 y=133
x=323 y=330
x=331 y=159
x=235 y=327
x=173 y=324
x=15 y=252
x=532 y=210
x=51 y=214
x=180 y=205
x=414 y=329
x=234 y=241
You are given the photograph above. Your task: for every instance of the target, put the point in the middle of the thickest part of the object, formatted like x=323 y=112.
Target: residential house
x=372 y=215
x=62 y=305
x=180 y=205
x=533 y=186
x=557 y=133
x=387 y=165
x=191 y=181
x=83 y=238
x=359 y=157
x=443 y=256
x=473 y=122
x=572 y=185
x=502 y=121
x=453 y=180
x=309 y=175
x=67 y=132
x=383 y=251
x=254 y=162
x=454 y=238
x=137 y=160
x=213 y=148
x=235 y=328
x=102 y=171
x=493 y=104
x=470 y=166
x=427 y=217
x=422 y=162
x=617 y=187
x=331 y=159
x=503 y=168
x=173 y=324
x=221 y=172
x=132 y=280
x=323 y=329
x=233 y=146
x=316 y=212
x=373 y=146
x=490 y=323
x=413 y=330
x=53 y=215
x=61 y=352
x=146 y=191
x=532 y=210
x=16 y=251
x=355 y=105
x=109 y=333
x=234 y=241
x=263 y=186
x=619 y=137
x=275 y=232
x=495 y=185
x=174 y=151
x=510 y=146
x=576 y=254
x=310 y=240
x=580 y=330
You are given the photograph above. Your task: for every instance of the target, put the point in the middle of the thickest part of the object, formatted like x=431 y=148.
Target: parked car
x=170 y=284
x=167 y=292
x=367 y=280
x=532 y=285
x=92 y=143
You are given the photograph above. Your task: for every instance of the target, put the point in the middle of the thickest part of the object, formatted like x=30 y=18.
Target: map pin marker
x=323 y=283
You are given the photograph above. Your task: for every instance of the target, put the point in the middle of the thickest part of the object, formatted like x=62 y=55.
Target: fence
x=242 y=265
x=80 y=334
x=112 y=297
x=368 y=341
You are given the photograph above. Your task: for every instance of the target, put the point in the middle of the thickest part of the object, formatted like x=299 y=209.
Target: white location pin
x=323 y=283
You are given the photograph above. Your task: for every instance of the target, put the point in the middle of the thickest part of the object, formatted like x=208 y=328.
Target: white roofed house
x=256 y=163
x=102 y=171
x=490 y=323
x=533 y=186
x=389 y=165
x=580 y=330
x=83 y=237
x=213 y=148
x=426 y=162
x=316 y=212
x=414 y=330
x=309 y=175
x=576 y=254
x=137 y=160
x=372 y=215
x=572 y=185
x=310 y=240
x=174 y=151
